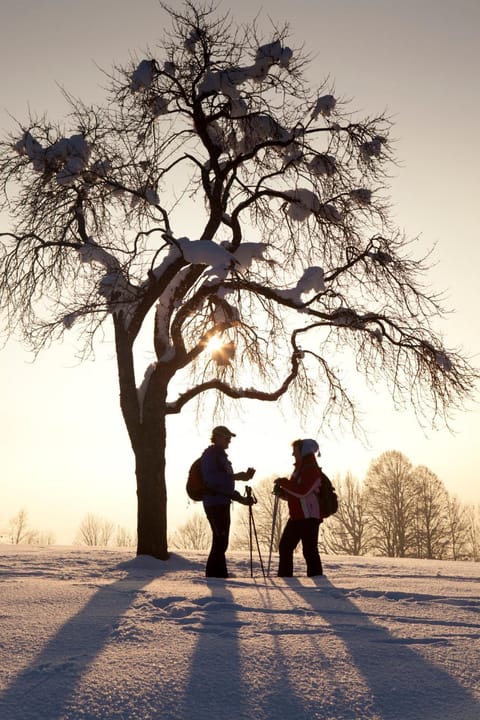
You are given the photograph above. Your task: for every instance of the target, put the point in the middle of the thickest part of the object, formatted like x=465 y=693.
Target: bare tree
x=346 y=531
x=431 y=528
x=193 y=534
x=390 y=492
x=124 y=538
x=473 y=531
x=457 y=528
x=293 y=259
x=95 y=531
x=43 y=538
x=19 y=530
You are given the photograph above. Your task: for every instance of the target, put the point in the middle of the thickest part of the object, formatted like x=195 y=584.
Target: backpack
x=195 y=486
x=327 y=497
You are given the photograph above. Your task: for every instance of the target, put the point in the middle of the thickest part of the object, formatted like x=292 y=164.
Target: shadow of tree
x=43 y=690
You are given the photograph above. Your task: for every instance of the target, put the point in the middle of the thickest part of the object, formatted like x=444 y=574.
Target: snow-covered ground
x=100 y=634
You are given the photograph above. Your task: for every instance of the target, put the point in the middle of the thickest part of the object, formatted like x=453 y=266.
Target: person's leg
x=219 y=519
x=288 y=543
x=310 y=527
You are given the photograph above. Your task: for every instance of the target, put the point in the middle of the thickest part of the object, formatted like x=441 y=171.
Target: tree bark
x=146 y=426
x=152 y=494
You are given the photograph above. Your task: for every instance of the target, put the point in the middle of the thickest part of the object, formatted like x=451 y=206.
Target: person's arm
x=244 y=476
x=310 y=480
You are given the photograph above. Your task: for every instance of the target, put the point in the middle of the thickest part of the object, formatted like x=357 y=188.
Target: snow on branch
x=312 y=280
x=226 y=81
x=143 y=76
x=303 y=203
x=67 y=157
x=372 y=148
x=90 y=252
x=325 y=106
x=218 y=257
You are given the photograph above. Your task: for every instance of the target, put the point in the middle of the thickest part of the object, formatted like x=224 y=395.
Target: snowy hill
x=102 y=635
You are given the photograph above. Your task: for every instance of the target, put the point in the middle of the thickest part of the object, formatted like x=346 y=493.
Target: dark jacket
x=217 y=475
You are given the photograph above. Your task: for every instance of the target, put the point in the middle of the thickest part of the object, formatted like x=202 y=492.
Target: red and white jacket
x=301 y=490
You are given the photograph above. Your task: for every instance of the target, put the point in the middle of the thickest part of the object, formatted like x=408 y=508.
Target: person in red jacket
x=301 y=493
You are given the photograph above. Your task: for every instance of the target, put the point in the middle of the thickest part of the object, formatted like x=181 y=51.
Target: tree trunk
x=152 y=493
x=146 y=427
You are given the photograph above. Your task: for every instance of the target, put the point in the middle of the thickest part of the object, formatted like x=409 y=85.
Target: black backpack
x=327 y=497
x=195 y=486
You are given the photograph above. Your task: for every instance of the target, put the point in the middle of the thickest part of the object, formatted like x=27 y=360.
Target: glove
x=277 y=488
x=243 y=499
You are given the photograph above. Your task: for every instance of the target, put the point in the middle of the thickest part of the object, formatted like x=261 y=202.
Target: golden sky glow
x=64 y=449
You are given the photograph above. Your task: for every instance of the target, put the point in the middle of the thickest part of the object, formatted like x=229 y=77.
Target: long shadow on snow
x=404 y=685
x=222 y=683
x=48 y=683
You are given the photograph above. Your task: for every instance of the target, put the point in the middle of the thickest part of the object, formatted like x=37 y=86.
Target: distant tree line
x=401 y=511
x=93 y=531
x=96 y=531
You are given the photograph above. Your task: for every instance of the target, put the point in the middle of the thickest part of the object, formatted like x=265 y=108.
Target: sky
x=64 y=451
x=89 y=634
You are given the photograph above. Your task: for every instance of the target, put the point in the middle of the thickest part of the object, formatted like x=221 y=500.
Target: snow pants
x=219 y=518
x=305 y=530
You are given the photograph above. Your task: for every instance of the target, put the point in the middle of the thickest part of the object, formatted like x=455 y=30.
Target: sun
x=215 y=343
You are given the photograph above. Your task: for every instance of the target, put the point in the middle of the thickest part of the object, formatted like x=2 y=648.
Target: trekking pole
x=248 y=493
x=274 y=522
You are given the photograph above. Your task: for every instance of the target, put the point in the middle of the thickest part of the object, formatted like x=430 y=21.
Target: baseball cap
x=222 y=430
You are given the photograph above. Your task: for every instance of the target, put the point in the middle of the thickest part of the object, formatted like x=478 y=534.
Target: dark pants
x=219 y=518
x=307 y=531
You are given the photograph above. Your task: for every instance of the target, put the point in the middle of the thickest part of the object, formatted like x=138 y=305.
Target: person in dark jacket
x=219 y=478
x=301 y=493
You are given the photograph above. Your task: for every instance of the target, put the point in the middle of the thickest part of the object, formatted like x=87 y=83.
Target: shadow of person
x=215 y=684
x=403 y=684
x=237 y=669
